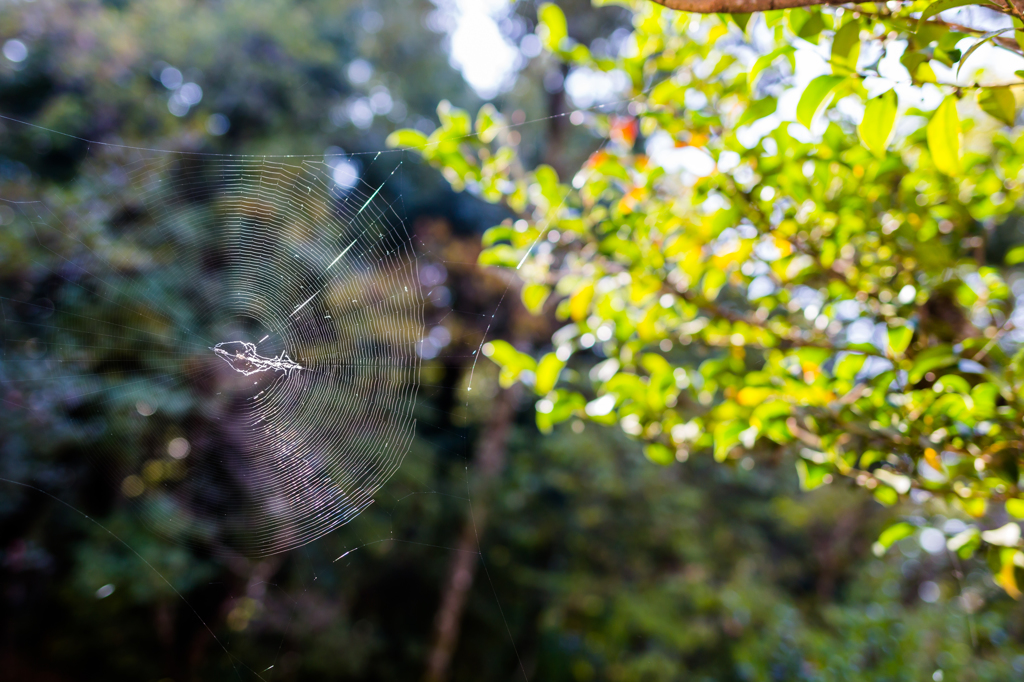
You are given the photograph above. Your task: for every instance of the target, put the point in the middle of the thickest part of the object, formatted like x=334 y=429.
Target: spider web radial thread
x=316 y=282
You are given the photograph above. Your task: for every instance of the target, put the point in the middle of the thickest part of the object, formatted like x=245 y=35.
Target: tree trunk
x=488 y=462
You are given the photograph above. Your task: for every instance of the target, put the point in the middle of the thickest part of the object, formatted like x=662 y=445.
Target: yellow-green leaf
x=504 y=354
x=943 y=5
x=982 y=40
x=548 y=370
x=891 y=535
x=534 y=296
x=815 y=98
x=898 y=340
x=659 y=454
x=1006 y=578
x=765 y=61
x=846 y=47
x=726 y=436
x=579 y=302
x=1015 y=255
x=1015 y=508
x=944 y=137
x=757 y=110
x=488 y=123
x=847 y=368
x=998 y=103
x=964 y=543
x=406 y=138
x=553 y=27
x=812 y=475
x=879 y=117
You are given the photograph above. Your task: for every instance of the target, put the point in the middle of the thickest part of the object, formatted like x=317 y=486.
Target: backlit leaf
x=898 y=339
x=998 y=103
x=879 y=117
x=548 y=370
x=944 y=137
x=943 y=5
x=891 y=535
x=407 y=138
x=1007 y=578
x=1015 y=255
x=534 y=297
x=846 y=47
x=553 y=27
x=815 y=98
x=757 y=110
x=982 y=40
x=659 y=454
x=1015 y=508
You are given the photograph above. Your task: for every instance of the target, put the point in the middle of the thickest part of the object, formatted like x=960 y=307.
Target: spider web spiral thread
x=271 y=255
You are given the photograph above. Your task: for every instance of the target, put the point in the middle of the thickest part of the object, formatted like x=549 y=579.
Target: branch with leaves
x=814 y=288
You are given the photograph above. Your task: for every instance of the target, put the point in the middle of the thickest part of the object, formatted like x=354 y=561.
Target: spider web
x=251 y=323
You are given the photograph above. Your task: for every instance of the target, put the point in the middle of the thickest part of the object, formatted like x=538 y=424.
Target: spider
x=247 y=361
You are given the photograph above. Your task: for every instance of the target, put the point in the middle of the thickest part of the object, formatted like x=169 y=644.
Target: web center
x=243 y=358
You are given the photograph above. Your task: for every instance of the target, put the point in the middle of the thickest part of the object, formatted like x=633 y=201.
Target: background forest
x=594 y=563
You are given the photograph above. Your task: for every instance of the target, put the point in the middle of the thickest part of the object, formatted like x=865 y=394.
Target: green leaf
x=1015 y=255
x=891 y=535
x=659 y=454
x=998 y=103
x=765 y=61
x=512 y=362
x=812 y=475
x=553 y=28
x=879 y=117
x=944 y=137
x=454 y=121
x=534 y=297
x=815 y=98
x=548 y=370
x=498 y=233
x=557 y=407
x=741 y=19
x=500 y=255
x=847 y=368
x=726 y=436
x=713 y=282
x=407 y=138
x=757 y=110
x=1015 y=508
x=964 y=543
x=1009 y=559
x=846 y=47
x=886 y=496
x=488 y=123
x=504 y=354
x=935 y=357
x=807 y=24
x=943 y=5
x=982 y=40
x=898 y=340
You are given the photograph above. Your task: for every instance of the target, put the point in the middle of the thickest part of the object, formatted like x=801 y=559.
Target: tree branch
x=740 y=6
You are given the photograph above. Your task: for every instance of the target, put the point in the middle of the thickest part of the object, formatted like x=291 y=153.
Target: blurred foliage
x=600 y=564
x=836 y=290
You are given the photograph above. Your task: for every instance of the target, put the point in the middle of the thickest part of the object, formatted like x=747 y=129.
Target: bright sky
x=485 y=56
